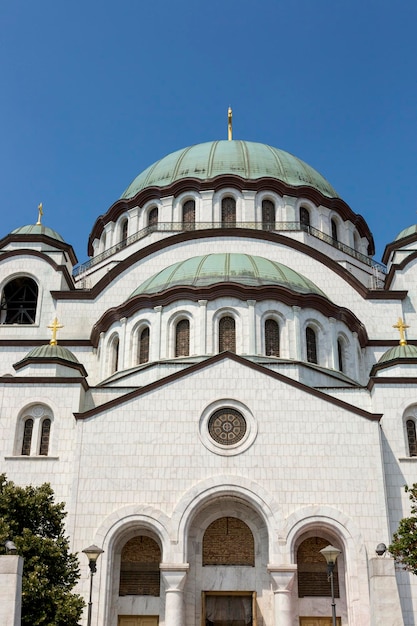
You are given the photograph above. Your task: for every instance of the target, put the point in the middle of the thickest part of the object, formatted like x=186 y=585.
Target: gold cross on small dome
x=55 y=326
x=400 y=326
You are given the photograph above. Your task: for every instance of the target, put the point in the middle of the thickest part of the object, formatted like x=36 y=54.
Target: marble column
x=251 y=327
x=203 y=327
x=283 y=577
x=333 y=356
x=122 y=344
x=174 y=577
x=297 y=334
x=156 y=334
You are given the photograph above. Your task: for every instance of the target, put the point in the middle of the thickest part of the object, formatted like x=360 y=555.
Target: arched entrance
x=228 y=583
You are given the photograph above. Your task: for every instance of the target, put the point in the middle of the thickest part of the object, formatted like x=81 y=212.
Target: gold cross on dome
x=40 y=213
x=229 y=124
x=55 y=326
x=400 y=326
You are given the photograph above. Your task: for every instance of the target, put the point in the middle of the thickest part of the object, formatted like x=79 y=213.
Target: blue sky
x=94 y=92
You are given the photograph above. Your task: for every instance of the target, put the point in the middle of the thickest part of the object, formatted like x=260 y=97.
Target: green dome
x=246 y=159
x=37 y=229
x=399 y=352
x=209 y=269
x=411 y=230
x=52 y=352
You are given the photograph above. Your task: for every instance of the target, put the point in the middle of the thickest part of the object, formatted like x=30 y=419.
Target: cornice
x=44 y=380
x=398 y=267
x=391 y=380
x=55 y=243
x=45 y=257
x=261 y=184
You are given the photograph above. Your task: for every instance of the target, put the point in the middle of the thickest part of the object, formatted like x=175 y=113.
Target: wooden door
x=137 y=620
x=318 y=621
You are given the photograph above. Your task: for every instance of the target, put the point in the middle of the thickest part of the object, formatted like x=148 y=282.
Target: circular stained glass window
x=227 y=426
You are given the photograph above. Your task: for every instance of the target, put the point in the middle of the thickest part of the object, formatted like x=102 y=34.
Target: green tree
x=30 y=517
x=404 y=542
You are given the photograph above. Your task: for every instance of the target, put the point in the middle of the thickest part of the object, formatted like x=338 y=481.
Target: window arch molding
x=112 y=352
x=336 y=227
x=135 y=336
x=144 y=212
x=343 y=347
x=280 y=319
x=179 y=201
x=122 y=229
x=222 y=313
x=314 y=325
x=173 y=321
x=219 y=196
x=39 y=441
x=272 y=197
x=20 y=276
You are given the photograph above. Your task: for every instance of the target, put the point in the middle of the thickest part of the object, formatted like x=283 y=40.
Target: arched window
x=268 y=215
x=304 y=218
x=188 y=215
x=228 y=213
x=311 y=345
x=139 y=567
x=312 y=569
x=19 y=301
x=411 y=437
x=27 y=436
x=153 y=218
x=123 y=231
x=228 y=541
x=143 y=356
x=45 y=432
x=227 y=334
x=334 y=230
x=114 y=355
x=340 y=355
x=271 y=338
x=182 y=338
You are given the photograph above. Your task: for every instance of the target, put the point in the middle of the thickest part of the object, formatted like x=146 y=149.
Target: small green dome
x=209 y=269
x=52 y=352
x=411 y=230
x=37 y=229
x=399 y=352
x=247 y=159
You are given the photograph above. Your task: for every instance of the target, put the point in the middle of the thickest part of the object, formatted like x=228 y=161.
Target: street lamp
x=92 y=552
x=331 y=553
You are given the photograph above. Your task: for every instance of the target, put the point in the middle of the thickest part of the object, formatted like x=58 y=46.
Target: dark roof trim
x=399 y=267
x=45 y=257
x=219 y=182
x=56 y=360
x=32 y=343
x=242 y=292
x=391 y=380
x=44 y=380
x=137 y=393
x=385 y=364
x=61 y=245
x=240 y=233
x=389 y=342
x=396 y=245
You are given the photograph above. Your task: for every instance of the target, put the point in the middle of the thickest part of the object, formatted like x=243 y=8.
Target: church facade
x=228 y=390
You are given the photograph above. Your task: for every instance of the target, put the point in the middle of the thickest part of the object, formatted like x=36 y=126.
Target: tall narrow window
x=340 y=356
x=334 y=230
x=228 y=213
x=153 y=218
x=188 y=215
x=144 y=345
x=271 y=338
x=304 y=218
x=19 y=301
x=139 y=567
x=268 y=215
x=45 y=433
x=227 y=334
x=27 y=437
x=182 y=338
x=411 y=437
x=114 y=355
x=311 y=345
x=123 y=232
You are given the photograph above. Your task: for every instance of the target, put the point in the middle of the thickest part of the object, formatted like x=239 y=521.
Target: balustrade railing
x=171 y=227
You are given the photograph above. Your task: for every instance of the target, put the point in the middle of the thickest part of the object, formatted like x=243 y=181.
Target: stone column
x=11 y=569
x=297 y=333
x=251 y=326
x=203 y=326
x=354 y=353
x=283 y=577
x=122 y=344
x=156 y=335
x=174 y=576
x=103 y=356
x=333 y=356
x=385 y=602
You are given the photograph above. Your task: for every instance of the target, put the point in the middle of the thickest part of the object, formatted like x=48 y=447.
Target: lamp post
x=331 y=553
x=92 y=552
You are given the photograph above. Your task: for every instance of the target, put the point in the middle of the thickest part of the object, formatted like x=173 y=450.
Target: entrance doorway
x=228 y=608
x=319 y=621
x=137 y=620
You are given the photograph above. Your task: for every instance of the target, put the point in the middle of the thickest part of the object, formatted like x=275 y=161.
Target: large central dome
x=246 y=159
